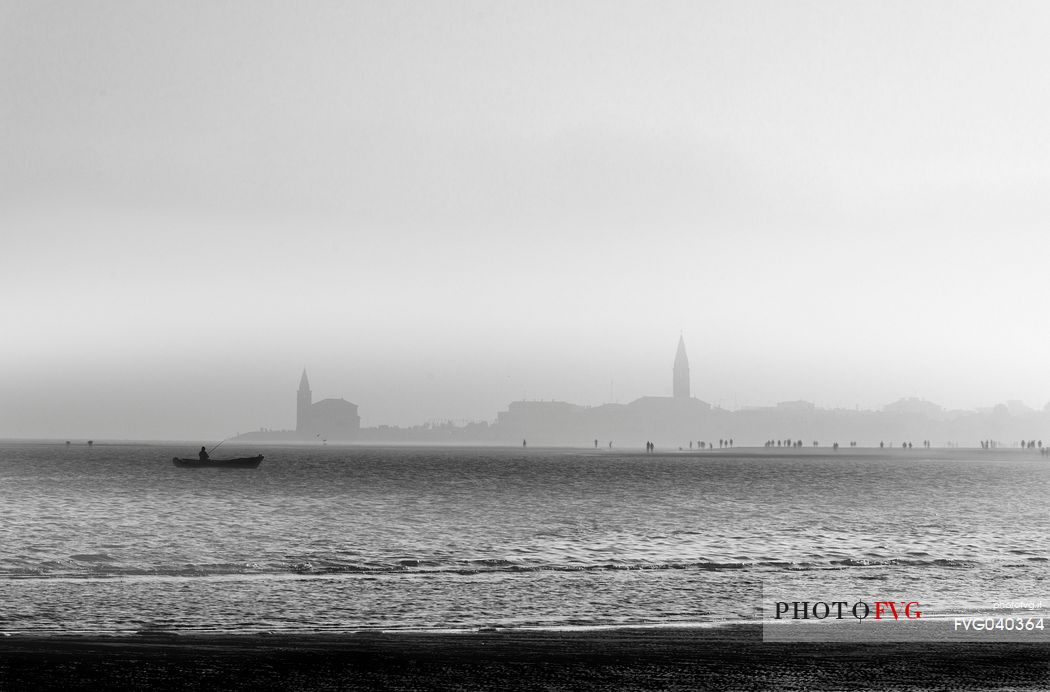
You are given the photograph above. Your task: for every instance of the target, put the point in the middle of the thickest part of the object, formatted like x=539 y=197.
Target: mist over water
x=114 y=538
x=438 y=212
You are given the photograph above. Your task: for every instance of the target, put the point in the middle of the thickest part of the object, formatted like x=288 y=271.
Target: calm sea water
x=116 y=539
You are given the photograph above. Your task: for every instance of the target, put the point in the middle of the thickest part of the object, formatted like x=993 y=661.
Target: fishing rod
x=220 y=444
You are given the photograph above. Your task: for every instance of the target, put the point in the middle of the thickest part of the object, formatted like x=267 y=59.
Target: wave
x=92 y=557
x=903 y=562
x=102 y=565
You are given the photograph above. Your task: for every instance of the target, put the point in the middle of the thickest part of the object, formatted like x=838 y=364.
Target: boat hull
x=243 y=463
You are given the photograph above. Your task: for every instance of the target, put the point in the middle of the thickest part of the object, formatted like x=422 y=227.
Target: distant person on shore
x=203 y=454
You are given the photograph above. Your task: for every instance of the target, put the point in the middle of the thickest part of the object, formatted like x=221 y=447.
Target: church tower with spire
x=681 y=372
x=303 y=403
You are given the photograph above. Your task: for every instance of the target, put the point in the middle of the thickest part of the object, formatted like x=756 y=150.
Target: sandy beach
x=733 y=658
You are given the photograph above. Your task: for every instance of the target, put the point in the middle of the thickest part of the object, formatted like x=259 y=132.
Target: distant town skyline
x=338 y=419
x=274 y=412
x=679 y=421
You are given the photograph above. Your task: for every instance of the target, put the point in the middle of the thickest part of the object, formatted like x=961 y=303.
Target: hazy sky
x=439 y=207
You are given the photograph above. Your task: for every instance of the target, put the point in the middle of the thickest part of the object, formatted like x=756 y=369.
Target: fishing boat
x=242 y=463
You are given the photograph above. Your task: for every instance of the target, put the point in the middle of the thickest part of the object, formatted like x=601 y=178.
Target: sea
x=114 y=539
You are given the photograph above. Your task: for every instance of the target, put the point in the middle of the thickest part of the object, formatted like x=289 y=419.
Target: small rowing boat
x=243 y=463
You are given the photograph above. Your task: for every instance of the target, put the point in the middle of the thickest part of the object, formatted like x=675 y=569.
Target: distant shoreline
x=736 y=451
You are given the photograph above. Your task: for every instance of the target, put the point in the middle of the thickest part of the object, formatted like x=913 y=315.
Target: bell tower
x=680 y=384
x=303 y=403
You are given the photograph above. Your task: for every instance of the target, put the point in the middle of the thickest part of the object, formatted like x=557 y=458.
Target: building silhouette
x=302 y=404
x=329 y=419
x=681 y=372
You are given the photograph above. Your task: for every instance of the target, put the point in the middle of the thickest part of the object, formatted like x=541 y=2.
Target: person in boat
x=203 y=454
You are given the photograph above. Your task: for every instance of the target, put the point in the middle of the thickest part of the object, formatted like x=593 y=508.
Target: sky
x=440 y=207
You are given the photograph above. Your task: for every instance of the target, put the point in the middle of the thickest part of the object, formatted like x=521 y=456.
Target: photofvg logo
x=875 y=618
x=854 y=616
x=841 y=610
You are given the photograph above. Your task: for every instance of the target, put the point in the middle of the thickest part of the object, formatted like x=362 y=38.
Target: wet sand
x=732 y=658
